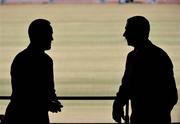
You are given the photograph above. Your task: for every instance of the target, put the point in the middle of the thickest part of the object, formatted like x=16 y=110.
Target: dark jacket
x=32 y=88
x=149 y=83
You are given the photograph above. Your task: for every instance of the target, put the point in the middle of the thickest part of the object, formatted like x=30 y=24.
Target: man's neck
x=35 y=48
x=143 y=44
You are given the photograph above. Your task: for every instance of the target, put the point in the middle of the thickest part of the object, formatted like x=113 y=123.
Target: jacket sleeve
x=171 y=90
x=51 y=87
x=168 y=93
x=123 y=95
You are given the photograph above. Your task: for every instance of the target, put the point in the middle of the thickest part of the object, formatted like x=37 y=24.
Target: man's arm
x=54 y=104
x=123 y=95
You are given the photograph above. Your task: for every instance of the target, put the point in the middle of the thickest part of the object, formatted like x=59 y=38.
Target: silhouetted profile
x=148 y=80
x=33 y=92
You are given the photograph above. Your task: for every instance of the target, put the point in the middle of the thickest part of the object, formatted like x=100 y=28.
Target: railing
x=79 y=98
x=74 y=97
x=84 y=98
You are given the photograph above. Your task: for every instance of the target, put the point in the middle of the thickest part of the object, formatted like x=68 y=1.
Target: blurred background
x=88 y=50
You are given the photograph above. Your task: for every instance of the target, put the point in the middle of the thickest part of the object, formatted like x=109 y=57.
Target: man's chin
x=129 y=44
x=48 y=48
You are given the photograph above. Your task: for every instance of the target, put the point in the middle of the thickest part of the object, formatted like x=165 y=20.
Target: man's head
x=137 y=30
x=40 y=34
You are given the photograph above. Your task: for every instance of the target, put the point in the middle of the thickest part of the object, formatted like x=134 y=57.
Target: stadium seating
x=84 y=1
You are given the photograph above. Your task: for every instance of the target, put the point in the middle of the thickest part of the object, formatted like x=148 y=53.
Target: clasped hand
x=55 y=106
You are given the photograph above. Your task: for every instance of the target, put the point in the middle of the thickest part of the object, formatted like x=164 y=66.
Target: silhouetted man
x=148 y=80
x=33 y=93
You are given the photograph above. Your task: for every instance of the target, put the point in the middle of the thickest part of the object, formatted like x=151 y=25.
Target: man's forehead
x=127 y=26
x=47 y=29
x=130 y=25
x=51 y=29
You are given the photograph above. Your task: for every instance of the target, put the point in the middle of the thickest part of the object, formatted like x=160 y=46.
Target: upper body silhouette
x=148 y=79
x=33 y=92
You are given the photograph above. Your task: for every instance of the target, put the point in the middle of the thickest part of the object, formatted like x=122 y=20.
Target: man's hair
x=140 y=24
x=37 y=28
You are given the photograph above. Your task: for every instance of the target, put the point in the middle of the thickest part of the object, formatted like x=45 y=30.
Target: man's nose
x=52 y=38
x=124 y=34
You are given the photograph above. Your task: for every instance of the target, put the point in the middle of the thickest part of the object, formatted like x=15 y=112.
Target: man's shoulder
x=19 y=59
x=27 y=54
x=160 y=52
x=21 y=54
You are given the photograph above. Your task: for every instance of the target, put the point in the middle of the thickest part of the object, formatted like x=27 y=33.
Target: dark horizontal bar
x=86 y=123
x=5 y=97
x=86 y=97
x=73 y=97
x=104 y=123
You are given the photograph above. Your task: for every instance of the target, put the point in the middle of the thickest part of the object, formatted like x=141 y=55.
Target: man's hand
x=117 y=112
x=55 y=106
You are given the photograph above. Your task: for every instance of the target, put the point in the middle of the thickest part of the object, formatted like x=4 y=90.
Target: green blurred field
x=88 y=50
